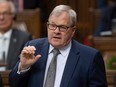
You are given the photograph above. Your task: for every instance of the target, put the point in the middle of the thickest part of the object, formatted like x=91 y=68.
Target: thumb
x=37 y=57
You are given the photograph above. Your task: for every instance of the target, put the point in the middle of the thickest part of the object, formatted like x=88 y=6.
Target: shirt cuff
x=22 y=71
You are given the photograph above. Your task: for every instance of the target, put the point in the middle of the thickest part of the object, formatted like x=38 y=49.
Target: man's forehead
x=5 y=7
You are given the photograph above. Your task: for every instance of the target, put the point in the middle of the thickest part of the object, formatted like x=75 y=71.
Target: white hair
x=13 y=10
x=65 y=8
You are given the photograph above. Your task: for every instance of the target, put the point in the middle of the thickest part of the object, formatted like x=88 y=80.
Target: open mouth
x=57 y=37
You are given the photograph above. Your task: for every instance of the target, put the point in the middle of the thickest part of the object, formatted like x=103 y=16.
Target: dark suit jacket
x=84 y=68
x=17 y=41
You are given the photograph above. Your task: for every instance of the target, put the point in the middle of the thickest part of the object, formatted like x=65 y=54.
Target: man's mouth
x=57 y=37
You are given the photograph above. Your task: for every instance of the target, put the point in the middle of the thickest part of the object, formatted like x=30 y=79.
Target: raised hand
x=27 y=57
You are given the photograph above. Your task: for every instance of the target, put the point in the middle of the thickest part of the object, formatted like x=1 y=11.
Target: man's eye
x=63 y=27
x=53 y=25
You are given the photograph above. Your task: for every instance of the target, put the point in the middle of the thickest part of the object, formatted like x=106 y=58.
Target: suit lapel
x=70 y=65
x=12 y=45
x=43 y=50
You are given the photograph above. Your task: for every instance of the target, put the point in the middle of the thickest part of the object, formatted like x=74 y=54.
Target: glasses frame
x=6 y=14
x=62 y=28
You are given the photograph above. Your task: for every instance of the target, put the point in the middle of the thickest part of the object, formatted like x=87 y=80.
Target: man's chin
x=56 y=45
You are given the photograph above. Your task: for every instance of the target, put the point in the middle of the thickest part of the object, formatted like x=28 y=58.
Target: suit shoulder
x=22 y=33
x=87 y=52
x=84 y=48
x=40 y=41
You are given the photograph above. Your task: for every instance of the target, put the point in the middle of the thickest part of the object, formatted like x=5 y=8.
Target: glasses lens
x=63 y=28
x=52 y=26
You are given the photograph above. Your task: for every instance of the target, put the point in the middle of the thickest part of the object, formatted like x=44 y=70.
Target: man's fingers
x=29 y=50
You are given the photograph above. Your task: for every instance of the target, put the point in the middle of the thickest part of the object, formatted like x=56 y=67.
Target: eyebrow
x=57 y=25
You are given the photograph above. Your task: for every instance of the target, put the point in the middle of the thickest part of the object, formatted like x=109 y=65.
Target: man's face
x=5 y=17
x=63 y=33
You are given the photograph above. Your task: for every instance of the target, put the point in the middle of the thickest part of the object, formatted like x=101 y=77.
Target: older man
x=76 y=65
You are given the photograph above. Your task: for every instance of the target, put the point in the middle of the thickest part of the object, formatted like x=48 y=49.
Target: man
x=77 y=65
x=11 y=40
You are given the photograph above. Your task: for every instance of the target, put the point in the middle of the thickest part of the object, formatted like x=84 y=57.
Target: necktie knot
x=56 y=52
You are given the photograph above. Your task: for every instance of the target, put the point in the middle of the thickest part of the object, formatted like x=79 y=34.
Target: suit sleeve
x=97 y=74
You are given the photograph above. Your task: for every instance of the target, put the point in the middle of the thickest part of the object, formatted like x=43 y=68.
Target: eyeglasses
x=62 y=28
x=5 y=13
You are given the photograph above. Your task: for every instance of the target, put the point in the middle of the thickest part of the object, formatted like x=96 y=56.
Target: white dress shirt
x=4 y=45
x=61 y=62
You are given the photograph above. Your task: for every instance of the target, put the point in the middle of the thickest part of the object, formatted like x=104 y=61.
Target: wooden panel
x=5 y=75
x=110 y=74
x=104 y=43
x=83 y=30
x=32 y=20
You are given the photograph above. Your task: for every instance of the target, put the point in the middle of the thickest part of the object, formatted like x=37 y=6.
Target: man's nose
x=1 y=16
x=57 y=29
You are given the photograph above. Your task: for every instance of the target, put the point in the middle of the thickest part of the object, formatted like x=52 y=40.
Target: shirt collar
x=64 y=51
x=7 y=34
